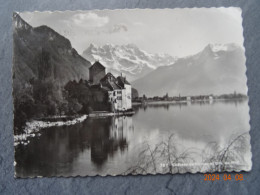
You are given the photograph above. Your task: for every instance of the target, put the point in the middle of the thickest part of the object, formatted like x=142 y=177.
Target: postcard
x=130 y=91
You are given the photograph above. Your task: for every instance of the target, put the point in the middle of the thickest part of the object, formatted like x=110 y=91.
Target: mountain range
x=41 y=53
x=217 y=69
x=128 y=59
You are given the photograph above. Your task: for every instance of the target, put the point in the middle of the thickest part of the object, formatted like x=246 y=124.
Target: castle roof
x=97 y=64
x=114 y=85
x=108 y=76
x=122 y=80
x=110 y=82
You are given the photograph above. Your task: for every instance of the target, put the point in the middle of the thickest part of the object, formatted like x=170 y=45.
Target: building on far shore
x=118 y=89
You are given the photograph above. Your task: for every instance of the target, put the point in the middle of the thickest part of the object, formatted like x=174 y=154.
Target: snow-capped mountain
x=217 y=69
x=127 y=59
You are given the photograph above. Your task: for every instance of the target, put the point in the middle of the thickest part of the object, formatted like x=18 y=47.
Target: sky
x=178 y=32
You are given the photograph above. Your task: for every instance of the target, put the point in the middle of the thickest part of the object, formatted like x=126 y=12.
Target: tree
x=134 y=93
x=166 y=97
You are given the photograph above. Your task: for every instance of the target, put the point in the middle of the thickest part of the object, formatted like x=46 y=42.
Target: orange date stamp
x=225 y=177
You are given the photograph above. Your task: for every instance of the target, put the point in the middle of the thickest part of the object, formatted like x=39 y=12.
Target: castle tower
x=96 y=72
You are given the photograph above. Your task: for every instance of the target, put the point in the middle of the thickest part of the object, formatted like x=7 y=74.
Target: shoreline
x=104 y=114
x=33 y=127
x=186 y=101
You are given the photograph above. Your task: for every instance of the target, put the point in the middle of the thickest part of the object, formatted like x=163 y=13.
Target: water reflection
x=110 y=145
x=167 y=105
x=54 y=151
x=108 y=136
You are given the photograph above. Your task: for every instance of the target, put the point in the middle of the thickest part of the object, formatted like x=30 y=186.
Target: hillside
x=42 y=53
x=217 y=69
x=43 y=62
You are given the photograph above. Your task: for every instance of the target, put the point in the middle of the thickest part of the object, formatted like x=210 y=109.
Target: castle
x=119 y=90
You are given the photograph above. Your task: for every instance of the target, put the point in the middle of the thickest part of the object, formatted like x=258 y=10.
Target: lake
x=156 y=139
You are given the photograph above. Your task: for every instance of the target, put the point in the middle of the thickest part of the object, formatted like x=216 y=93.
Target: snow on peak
x=127 y=58
x=92 y=45
x=223 y=47
x=131 y=45
x=218 y=47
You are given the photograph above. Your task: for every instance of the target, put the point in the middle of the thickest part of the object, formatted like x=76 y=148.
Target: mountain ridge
x=43 y=63
x=128 y=59
x=29 y=45
x=216 y=70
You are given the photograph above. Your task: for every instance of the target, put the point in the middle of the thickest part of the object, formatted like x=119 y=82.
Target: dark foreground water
x=143 y=143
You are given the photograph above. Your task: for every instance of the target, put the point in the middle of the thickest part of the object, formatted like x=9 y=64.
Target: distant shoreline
x=185 y=101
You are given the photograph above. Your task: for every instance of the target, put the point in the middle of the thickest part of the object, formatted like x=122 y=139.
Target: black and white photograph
x=130 y=92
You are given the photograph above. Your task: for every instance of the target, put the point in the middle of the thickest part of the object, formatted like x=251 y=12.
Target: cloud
x=138 y=23
x=119 y=28
x=90 y=19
